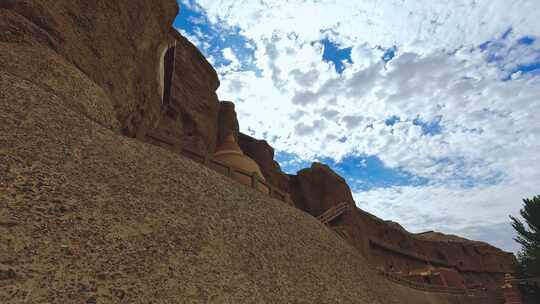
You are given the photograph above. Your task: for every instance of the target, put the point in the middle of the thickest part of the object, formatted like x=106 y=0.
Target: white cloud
x=417 y=24
x=484 y=156
x=233 y=64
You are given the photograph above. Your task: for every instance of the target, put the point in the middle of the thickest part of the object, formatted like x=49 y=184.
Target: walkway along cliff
x=100 y=103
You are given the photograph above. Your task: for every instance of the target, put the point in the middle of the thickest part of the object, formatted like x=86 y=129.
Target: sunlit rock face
x=318 y=189
x=190 y=109
x=124 y=66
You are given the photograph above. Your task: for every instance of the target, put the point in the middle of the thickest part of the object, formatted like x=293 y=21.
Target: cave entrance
x=165 y=132
x=168 y=74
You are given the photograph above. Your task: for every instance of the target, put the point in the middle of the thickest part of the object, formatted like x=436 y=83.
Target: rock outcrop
x=189 y=117
x=194 y=93
x=318 y=189
x=227 y=122
x=262 y=153
x=388 y=245
x=89 y=216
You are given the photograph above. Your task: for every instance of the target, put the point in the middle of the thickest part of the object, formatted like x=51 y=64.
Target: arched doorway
x=165 y=132
x=168 y=74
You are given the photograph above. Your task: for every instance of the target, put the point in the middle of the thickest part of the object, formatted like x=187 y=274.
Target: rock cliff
x=263 y=154
x=387 y=245
x=227 y=122
x=189 y=116
x=318 y=189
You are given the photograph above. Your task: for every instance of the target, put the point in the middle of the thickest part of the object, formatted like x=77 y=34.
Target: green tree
x=528 y=235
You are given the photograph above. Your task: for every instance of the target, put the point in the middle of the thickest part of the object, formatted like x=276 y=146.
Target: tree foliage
x=528 y=236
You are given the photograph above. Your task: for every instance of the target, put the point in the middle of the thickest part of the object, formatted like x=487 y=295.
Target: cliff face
x=263 y=154
x=189 y=114
x=390 y=247
x=318 y=189
x=89 y=215
x=228 y=122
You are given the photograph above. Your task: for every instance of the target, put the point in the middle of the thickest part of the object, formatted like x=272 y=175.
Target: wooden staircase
x=332 y=213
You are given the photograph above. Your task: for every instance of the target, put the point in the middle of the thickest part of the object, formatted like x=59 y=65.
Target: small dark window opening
x=169 y=73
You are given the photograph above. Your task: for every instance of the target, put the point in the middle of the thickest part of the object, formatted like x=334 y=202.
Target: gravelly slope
x=86 y=213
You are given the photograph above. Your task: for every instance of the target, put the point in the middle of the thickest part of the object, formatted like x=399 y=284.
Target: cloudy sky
x=428 y=108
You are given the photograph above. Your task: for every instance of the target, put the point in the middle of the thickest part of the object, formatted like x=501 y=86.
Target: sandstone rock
x=388 y=245
x=189 y=113
x=318 y=188
x=228 y=121
x=263 y=154
x=148 y=225
x=8 y=274
x=151 y=222
x=194 y=97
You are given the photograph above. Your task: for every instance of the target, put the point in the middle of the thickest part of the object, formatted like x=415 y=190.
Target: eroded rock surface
x=194 y=97
x=263 y=154
x=227 y=122
x=89 y=216
x=387 y=245
x=318 y=189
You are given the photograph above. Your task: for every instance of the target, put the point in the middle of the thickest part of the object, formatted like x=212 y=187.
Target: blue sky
x=426 y=109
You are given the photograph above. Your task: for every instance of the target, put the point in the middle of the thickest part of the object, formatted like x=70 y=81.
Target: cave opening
x=168 y=73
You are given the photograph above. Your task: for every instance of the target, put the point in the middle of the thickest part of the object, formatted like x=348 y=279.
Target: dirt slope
x=88 y=214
